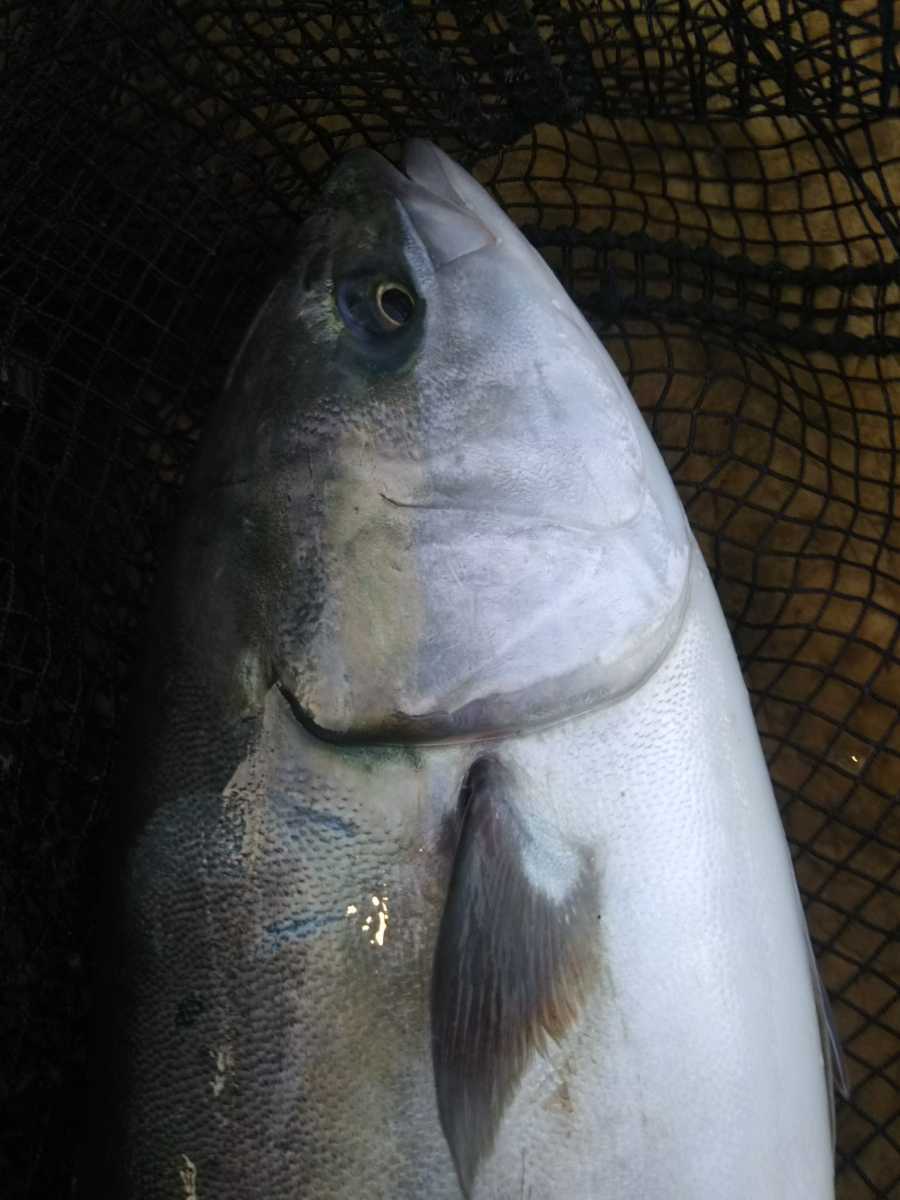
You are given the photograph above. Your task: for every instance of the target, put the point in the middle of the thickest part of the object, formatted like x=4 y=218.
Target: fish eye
x=375 y=307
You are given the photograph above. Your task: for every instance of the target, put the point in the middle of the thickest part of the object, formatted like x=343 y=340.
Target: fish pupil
x=395 y=303
x=373 y=308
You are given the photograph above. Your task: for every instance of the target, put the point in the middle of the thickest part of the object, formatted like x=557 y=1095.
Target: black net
x=716 y=182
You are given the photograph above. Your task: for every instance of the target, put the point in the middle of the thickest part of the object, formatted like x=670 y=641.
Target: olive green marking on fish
x=376 y=755
x=512 y=967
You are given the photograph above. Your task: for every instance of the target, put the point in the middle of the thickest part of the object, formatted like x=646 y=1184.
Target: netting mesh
x=717 y=184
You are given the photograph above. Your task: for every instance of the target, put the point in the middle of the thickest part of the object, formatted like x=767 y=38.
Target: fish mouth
x=445 y=222
x=562 y=522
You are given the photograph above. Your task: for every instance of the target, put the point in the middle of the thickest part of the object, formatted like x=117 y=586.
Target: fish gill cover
x=717 y=183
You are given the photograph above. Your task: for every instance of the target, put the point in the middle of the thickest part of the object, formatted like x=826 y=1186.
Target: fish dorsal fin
x=512 y=965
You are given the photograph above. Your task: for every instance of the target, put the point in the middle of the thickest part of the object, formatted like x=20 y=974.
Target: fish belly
x=697 y=1070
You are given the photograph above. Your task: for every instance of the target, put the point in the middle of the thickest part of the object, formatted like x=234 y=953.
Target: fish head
x=460 y=524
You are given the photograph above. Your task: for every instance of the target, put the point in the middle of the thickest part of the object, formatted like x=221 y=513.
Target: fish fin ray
x=511 y=968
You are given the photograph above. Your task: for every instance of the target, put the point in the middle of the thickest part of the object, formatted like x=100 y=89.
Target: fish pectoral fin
x=511 y=969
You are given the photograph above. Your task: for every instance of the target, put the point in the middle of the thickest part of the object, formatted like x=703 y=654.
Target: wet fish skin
x=450 y=863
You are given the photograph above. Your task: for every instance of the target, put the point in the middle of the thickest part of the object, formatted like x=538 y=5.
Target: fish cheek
x=352 y=671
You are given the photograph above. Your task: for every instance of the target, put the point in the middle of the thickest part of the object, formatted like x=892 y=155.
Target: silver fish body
x=452 y=864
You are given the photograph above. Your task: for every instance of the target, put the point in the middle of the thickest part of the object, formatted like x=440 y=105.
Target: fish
x=447 y=862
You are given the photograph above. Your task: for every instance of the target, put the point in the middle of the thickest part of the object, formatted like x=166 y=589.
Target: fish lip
x=418 y=162
x=364 y=160
x=448 y=227
x=422 y=164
